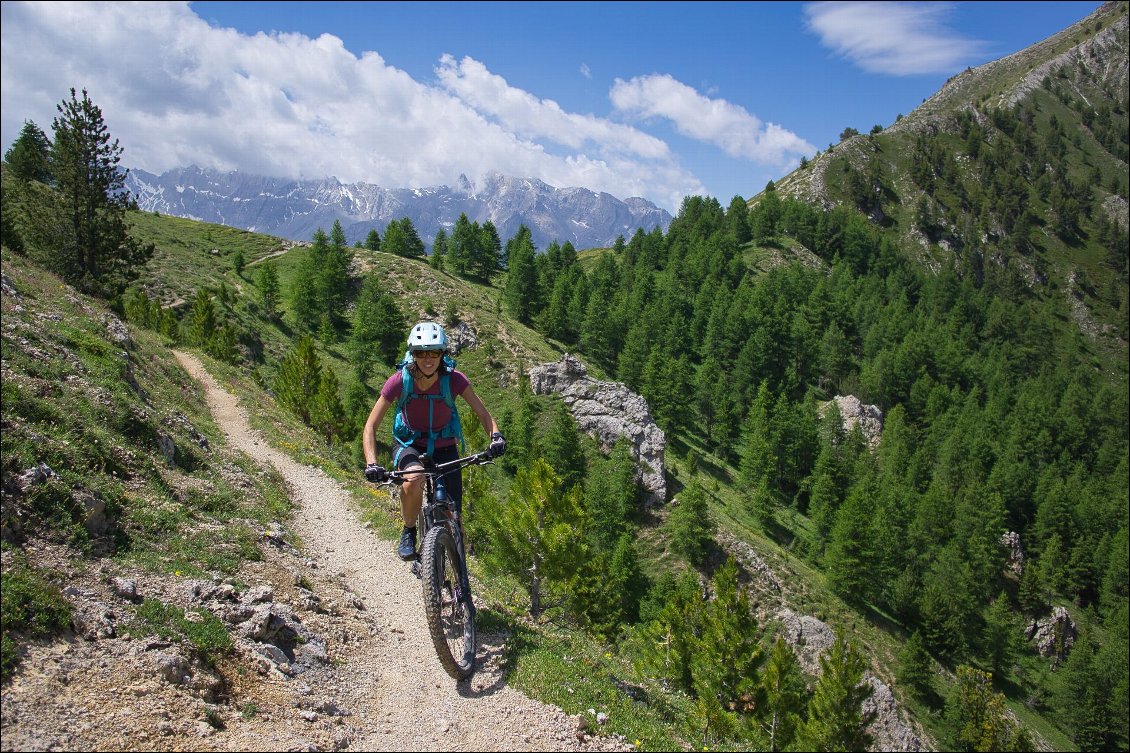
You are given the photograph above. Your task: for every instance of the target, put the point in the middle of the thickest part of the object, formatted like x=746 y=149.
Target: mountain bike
x=442 y=566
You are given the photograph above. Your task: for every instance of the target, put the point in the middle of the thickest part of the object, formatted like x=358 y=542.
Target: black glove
x=375 y=473
x=497 y=445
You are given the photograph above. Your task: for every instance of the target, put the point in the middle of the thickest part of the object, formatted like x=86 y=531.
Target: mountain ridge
x=973 y=88
x=294 y=209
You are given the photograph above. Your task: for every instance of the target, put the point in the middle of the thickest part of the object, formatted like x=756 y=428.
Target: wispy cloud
x=715 y=121
x=524 y=114
x=586 y=71
x=893 y=38
x=176 y=91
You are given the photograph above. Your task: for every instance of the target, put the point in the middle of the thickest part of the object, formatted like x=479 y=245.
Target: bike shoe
x=407 y=548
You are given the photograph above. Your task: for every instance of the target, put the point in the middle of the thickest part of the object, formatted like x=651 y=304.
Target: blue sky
x=659 y=100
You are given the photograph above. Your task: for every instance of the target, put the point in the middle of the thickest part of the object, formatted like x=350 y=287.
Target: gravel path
x=397 y=693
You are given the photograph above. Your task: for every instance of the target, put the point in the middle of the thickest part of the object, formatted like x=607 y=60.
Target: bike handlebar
x=430 y=469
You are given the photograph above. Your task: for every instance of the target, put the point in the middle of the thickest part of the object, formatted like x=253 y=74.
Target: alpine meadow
x=887 y=401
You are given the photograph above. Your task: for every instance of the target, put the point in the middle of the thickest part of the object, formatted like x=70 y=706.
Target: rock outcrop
x=1053 y=635
x=868 y=417
x=810 y=639
x=1011 y=542
x=608 y=411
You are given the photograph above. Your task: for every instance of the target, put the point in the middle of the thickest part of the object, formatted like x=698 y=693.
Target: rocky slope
x=331 y=650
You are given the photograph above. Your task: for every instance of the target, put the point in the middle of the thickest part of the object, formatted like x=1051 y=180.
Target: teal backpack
x=403 y=432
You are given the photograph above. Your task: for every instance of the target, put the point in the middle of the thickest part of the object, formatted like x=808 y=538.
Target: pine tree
x=737 y=220
x=726 y=660
x=521 y=293
x=688 y=527
x=202 y=320
x=758 y=457
x=537 y=534
x=836 y=720
x=224 y=344
x=488 y=257
x=332 y=284
x=522 y=443
x=668 y=641
x=462 y=246
x=299 y=378
x=976 y=717
x=611 y=491
x=378 y=328
x=327 y=415
x=29 y=157
x=337 y=236
x=785 y=696
x=849 y=557
x=915 y=666
x=90 y=243
x=561 y=447
x=1001 y=635
x=626 y=581
x=304 y=296
x=373 y=240
x=267 y=281
x=439 y=251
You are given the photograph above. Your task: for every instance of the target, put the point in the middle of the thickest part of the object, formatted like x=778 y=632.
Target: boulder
x=855 y=413
x=608 y=411
x=1053 y=635
x=1010 y=540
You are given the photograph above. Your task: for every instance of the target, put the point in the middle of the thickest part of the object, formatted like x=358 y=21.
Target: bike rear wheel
x=447 y=604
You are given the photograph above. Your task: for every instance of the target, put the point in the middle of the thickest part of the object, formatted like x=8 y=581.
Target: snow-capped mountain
x=294 y=209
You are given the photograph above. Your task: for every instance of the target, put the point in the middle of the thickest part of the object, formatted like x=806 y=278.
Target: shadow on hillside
x=706 y=466
x=781 y=534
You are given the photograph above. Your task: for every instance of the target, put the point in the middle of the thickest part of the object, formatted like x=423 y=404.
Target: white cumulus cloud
x=730 y=127
x=894 y=38
x=176 y=91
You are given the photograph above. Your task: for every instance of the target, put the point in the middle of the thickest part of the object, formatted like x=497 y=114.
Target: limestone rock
x=1011 y=542
x=810 y=639
x=888 y=731
x=868 y=417
x=608 y=411
x=1053 y=635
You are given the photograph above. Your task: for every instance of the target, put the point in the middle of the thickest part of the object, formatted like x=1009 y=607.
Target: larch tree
x=836 y=720
x=92 y=247
x=29 y=157
x=537 y=534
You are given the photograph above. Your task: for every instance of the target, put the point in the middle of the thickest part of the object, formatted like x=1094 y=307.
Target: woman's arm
x=480 y=410
x=369 y=437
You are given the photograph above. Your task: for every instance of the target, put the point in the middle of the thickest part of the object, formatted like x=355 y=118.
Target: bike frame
x=435 y=511
x=442 y=566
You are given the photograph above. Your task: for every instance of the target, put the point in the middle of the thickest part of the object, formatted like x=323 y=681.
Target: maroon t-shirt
x=417 y=409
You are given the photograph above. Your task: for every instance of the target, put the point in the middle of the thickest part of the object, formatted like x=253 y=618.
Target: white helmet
x=427 y=336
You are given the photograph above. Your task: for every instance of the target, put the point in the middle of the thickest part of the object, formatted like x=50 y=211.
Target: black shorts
x=452 y=481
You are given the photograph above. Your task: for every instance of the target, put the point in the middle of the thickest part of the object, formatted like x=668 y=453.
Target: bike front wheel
x=447 y=603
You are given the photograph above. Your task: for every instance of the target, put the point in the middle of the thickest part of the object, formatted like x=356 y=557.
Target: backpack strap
x=405 y=434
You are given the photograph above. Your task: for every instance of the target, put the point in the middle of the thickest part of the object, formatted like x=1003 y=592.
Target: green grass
x=567 y=668
x=31 y=607
x=204 y=631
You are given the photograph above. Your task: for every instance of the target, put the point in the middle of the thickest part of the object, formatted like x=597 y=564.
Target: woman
x=426 y=422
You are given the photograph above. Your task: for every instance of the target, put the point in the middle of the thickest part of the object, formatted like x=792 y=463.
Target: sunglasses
x=426 y=354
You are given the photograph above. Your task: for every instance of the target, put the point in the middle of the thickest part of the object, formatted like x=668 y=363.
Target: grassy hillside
x=125 y=460
x=1022 y=161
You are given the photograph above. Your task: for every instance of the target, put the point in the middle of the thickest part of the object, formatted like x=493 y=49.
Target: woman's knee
x=414 y=483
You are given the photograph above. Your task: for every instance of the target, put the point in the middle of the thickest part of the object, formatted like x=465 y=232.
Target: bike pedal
x=416 y=566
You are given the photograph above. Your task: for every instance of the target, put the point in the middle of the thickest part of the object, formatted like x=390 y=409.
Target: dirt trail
x=398 y=696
